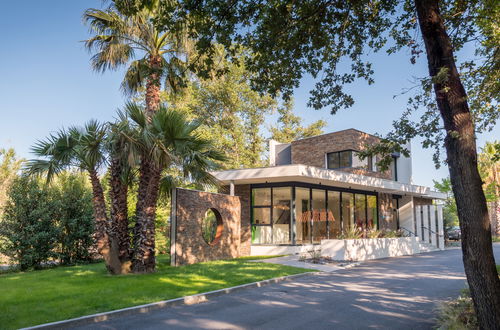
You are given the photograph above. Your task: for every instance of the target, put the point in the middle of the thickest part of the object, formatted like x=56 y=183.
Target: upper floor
x=339 y=151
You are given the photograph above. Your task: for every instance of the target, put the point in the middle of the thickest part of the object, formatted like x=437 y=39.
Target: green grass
x=60 y=293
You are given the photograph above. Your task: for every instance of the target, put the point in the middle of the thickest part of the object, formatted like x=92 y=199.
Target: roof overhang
x=316 y=175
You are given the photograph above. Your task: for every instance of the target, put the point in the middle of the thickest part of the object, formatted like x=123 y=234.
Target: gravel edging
x=187 y=300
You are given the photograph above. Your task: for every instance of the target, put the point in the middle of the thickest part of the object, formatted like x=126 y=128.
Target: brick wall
x=422 y=201
x=189 y=246
x=243 y=191
x=312 y=151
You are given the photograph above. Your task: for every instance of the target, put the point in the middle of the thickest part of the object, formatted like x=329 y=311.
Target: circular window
x=211 y=226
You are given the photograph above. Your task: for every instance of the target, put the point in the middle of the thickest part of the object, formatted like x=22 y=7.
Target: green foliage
x=72 y=200
x=231 y=113
x=117 y=40
x=290 y=127
x=353 y=232
x=28 y=227
x=489 y=168
x=61 y=293
x=9 y=168
x=458 y=314
x=450 y=215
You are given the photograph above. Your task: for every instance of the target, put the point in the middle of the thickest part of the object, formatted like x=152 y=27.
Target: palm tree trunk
x=143 y=260
x=153 y=86
x=106 y=246
x=460 y=143
x=119 y=212
x=144 y=232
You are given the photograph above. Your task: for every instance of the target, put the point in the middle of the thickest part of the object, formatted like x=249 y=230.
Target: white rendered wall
x=404 y=167
x=418 y=216
x=440 y=226
x=432 y=230
x=425 y=221
x=406 y=214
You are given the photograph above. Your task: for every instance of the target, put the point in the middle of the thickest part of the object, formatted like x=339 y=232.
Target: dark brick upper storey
x=312 y=151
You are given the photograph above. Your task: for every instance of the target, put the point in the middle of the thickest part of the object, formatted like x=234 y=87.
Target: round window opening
x=211 y=226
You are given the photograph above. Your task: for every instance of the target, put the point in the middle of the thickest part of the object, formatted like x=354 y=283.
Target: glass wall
x=360 y=210
x=372 y=211
x=347 y=210
x=261 y=216
x=334 y=221
x=314 y=215
x=319 y=225
x=282 y=215
x=302 y=215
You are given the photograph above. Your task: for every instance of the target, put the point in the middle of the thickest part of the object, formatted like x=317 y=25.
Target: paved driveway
x=396 y=293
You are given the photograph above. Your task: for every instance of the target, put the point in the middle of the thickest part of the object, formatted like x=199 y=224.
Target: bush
x=458 y=314
x=72 y=199
x=28 y=230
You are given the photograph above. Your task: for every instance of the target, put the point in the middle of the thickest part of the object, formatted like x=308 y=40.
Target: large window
x=313 y=215
x=339 y=159
x=319 y=225
x=349 y=158
x=372 y=212
x=334 y=221
x=360 y=210
x=303 y=215
x=282 y=215
x=261 y=216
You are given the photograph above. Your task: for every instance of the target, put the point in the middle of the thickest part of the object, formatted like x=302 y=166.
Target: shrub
x=72 y=199
x=353 y=232
x=458 y=314
x=28 y=230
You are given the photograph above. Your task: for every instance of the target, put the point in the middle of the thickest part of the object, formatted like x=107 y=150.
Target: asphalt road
x=396 y=293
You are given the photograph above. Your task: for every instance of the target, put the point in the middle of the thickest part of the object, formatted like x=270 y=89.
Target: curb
x=141 y=309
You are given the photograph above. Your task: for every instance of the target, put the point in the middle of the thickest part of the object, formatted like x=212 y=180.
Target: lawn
x=59 y=293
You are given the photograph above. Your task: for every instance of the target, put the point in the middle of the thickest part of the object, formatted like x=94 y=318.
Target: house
x=317 y=188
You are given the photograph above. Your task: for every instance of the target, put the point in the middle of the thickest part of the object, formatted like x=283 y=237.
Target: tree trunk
x=153 y=86
x=119 y=212
x=143 y=260
x=106 y=245
x=144 y=232
x=460 y=143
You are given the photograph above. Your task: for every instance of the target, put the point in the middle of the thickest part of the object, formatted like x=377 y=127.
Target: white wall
x=406 y=214
x=405 y=167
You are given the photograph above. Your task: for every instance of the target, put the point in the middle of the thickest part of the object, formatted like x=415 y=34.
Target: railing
x=432 y=231
x=407 y=232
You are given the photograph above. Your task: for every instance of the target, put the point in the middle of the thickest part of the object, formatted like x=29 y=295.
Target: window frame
x=337 y=153
x=310 y=186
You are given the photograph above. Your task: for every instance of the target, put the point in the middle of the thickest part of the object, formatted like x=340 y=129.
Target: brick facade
x=243 y=191
x=422 y=201
x=312 y=151
x=188 y=245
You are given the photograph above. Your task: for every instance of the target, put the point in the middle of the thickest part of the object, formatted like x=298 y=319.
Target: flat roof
x=322 y=176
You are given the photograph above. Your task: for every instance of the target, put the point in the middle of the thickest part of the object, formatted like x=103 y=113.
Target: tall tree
x=231 y=113
x=81 y=148
x=290 y=126
x=117 y=38
x=293 y=38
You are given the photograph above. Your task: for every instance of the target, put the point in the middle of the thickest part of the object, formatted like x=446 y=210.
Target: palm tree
x=169 y=141
x=118 y=39
x=82 y=148
x=116 y=42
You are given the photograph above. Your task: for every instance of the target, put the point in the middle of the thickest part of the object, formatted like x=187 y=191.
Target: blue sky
x=46 y=83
